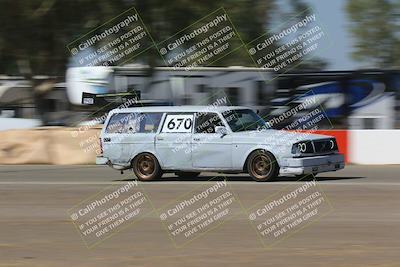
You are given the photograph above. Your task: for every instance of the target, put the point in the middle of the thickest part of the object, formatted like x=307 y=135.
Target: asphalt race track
x=361 y=227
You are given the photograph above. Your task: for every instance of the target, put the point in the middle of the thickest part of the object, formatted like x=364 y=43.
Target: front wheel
x=262 y=166
x=146 y=167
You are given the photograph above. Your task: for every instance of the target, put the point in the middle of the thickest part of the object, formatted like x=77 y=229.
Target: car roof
x=208 y=108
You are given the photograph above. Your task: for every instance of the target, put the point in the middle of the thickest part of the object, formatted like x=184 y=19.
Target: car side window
x=119 y=122
x=125 y=123
x=178 y=123
x=206 y=122
x=150 y=122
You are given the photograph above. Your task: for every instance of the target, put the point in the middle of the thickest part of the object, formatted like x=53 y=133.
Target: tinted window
x=134 y=123
x=244 y=120
x=206 y=122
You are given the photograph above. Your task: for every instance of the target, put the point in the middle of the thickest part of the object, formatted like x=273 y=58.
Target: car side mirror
x=221 y=130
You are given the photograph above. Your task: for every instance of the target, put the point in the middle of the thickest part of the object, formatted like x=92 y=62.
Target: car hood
x=280 y=136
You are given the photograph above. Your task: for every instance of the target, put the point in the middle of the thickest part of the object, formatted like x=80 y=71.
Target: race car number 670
x=178 y=123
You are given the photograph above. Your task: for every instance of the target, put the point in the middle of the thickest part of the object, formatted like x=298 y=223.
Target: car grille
x=324 y=146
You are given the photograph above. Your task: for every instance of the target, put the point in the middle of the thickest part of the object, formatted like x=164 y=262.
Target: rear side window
x=134 y=123
x=150 y=122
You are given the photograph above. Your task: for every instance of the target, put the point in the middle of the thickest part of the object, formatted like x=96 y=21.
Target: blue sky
x=333 y=16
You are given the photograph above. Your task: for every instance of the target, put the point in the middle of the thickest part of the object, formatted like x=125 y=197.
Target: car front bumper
x=308 y=165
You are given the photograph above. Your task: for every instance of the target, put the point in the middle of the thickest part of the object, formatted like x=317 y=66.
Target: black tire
x=262 y=166
x=146 y=167
x=187 y=174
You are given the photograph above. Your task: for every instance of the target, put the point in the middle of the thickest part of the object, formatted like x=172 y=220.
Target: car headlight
x=326 y=145
x=303 y=147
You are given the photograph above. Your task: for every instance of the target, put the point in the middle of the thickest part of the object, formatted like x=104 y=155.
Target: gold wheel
x=146 y=167
x=262 y=166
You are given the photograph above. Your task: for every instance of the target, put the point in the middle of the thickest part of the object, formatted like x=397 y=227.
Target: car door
x=173 y=142
x=140 y=134
x=210 y=149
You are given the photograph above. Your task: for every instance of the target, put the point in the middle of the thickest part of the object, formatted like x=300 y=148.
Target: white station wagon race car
x=187 y=140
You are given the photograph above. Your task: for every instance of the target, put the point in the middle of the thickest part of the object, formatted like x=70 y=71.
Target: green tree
x=35 y=33
x=375 y=27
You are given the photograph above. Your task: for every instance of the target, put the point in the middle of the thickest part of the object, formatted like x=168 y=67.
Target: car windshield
x=244 y=120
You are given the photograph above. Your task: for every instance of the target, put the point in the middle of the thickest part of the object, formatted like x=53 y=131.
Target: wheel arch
x=254 y=150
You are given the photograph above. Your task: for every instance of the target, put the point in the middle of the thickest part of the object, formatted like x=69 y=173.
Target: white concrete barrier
x=374 y=146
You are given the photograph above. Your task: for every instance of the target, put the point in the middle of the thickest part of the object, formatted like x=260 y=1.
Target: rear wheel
x=262 y=166
x=146 y=167
x=187 y=174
